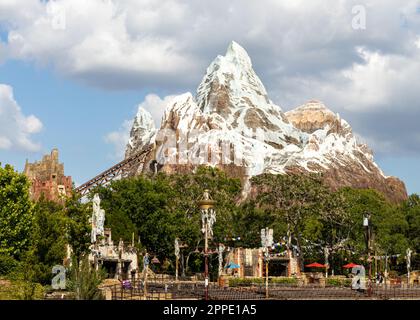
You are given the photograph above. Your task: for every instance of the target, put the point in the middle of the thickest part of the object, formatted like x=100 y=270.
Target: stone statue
x=208 y=218
x=206 y=195
x=98 y=219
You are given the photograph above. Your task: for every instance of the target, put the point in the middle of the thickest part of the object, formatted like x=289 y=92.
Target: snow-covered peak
x=231 y=123
x=143 y=120
x=142 y=133
x=182 y=113
x=237 y=55
x=232 y=89
x=231 y=76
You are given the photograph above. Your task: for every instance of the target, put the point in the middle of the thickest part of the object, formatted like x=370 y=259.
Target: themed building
x=251 y=263
x=47 y=178
x=120 y=261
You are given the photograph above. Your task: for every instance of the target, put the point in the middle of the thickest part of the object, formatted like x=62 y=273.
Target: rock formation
x=232 y=124
x=47 y=178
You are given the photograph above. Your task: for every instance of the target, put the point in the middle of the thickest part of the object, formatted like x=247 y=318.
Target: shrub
x=236 y=282
x=84 y=280
x=283 y=280
x=7 y=264
x=338 y=282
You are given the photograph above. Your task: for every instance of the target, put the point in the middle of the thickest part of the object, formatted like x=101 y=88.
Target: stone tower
x=47 y=177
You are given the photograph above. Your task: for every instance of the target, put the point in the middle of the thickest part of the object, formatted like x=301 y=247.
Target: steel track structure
x=121 y=170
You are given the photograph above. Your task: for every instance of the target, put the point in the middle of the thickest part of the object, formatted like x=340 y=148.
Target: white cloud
x=168 y=43
x=156 y=106
x=16 y=128
x=119 y=138
x=301 y=49
x=378 y=83
x=95 y=37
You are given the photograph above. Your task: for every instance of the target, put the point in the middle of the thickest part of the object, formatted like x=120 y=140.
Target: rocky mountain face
x=232 y=124
x=142 y=132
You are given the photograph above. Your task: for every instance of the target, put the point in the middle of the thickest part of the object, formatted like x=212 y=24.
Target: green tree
x=292 y=198
x=411 y=208
x=249 y=219
x=387 y=222
x=78 y=229
x=24 y=278
x=189 y=188
x=16 y=212
x=48 y=238
x=160 y=208
x=328 y=231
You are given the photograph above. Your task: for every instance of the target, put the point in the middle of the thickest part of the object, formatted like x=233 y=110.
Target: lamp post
x=208 y=218
x=366 y=224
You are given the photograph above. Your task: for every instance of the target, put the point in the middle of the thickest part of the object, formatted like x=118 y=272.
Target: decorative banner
x=408 y=257
x=266 y=237
x=359 y=280
x=177 y=248
x=220 y=251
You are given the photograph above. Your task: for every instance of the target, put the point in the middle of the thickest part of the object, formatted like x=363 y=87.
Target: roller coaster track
x=121 y=170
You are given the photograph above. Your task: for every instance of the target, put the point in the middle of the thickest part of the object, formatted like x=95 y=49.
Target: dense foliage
x=16 y=212
x=33 y=236
x=306 y=216
x=161 y=208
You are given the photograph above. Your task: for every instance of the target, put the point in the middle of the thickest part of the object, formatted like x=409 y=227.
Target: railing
x=156 y=290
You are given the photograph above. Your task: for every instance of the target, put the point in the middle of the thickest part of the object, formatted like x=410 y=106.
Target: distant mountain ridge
x=232 y=124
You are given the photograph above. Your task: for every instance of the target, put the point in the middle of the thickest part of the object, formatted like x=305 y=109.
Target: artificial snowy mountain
x=232 y=124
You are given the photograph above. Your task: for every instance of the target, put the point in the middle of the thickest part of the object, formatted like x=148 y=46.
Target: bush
x=338 y=282
x=283 y=280
x=237 y=282
x=7 y=264
x=24 y=290
x=84 y=280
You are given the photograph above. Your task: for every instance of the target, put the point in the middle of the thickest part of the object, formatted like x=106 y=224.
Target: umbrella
x=233 y=266
x=315 y=265
x=155 y=260
x=350 y=265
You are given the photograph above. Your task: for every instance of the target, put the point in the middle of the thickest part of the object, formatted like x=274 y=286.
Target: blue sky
x=83 y=77
x=77 y=119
